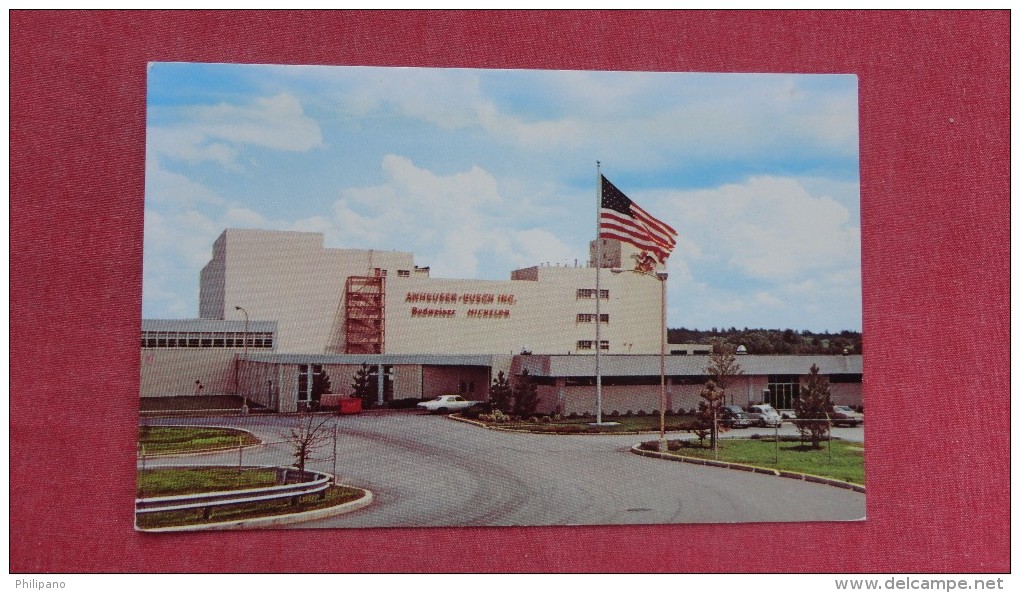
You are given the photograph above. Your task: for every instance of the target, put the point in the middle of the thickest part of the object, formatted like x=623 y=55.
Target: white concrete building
x=354 y=301
x=279 y=310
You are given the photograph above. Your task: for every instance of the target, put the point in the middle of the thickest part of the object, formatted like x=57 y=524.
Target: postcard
x=420 y=297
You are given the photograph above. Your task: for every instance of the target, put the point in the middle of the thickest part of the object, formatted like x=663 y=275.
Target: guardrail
x=319 y=483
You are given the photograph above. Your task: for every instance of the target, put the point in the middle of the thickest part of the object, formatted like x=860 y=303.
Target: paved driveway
x=433 y=471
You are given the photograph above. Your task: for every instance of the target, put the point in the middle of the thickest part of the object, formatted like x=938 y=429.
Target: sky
x=480 y=172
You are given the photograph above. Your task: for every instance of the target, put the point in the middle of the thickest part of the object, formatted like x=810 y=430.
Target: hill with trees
x=773 y=341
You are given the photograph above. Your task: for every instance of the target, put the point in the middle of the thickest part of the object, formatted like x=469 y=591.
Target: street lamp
x=661 y=277
x=237 y=371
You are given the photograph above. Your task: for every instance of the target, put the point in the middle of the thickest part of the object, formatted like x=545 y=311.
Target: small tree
x=320 y=384
x=708 y=413
x=306 y=438
x=722 y=365
x=525 y=396
x=362 y=385
x=500 y=393
x=812 y=408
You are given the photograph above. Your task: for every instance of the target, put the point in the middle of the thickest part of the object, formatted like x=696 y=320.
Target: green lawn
x=192 y=480
x=169 y=440
x=170 y=481
x=844 y=462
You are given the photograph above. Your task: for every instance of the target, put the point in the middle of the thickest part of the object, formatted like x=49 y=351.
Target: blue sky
x=479 y=172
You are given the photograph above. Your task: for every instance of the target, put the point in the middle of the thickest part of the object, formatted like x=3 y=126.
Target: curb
x=636 y=449
x=273 y=520
x=552 y=433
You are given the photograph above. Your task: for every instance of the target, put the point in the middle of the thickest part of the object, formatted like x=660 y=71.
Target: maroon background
x=934 y=96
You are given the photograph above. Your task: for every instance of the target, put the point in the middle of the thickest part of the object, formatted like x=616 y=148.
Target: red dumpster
x=350 y=405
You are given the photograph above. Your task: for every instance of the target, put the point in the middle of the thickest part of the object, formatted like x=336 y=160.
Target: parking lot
x=433 y=471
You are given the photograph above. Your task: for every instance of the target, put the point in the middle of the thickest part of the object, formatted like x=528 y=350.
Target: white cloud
x=763 y=253
x=174 y=190
x=767 y=228
x=533 y=246
x=216 y=132
x=457 y=224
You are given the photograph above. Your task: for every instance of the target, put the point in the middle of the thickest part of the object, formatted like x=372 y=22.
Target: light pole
x=237 y=371
x=661 y=277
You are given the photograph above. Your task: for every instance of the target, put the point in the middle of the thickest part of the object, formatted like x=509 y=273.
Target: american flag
x=620 y=218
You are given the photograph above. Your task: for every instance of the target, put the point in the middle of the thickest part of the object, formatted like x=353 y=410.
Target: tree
x=712 y=399
x=320 y=384
x=306 y=438
x=812 y=408
x=500 y=393
x=362 y=385
x=525 y=396
x=722 y=365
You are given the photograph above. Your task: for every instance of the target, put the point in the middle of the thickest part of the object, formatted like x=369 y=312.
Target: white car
x=446 y=403
x=765 y=415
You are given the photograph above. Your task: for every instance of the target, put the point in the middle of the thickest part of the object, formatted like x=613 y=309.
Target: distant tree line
x=773 y=341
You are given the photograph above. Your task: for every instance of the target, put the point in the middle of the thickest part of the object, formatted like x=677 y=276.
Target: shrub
x=477 y=410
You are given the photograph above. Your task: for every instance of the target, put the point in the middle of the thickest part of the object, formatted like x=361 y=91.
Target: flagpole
x=598 y=294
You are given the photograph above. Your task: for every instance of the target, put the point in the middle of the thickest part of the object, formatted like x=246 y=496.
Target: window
x=302 y=382
x=604 y=345
x=306 y=380
x=237 y=340
x=584 y=344
x=403 y=273
x=783 y=389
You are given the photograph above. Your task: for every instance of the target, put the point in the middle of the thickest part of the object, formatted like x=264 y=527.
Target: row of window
x=400 y=273
x=590 y=344
x=590 y=318
x=589 y=293
x=206 y=340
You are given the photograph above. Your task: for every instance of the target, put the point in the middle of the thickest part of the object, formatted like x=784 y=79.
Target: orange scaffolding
x=365 y=315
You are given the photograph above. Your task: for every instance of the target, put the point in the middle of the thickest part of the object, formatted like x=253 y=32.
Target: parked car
x=845 y=416
x=445 y=404
x=765 y=415
x=734 y=417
